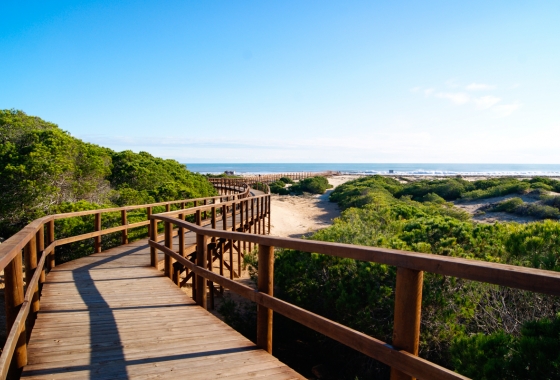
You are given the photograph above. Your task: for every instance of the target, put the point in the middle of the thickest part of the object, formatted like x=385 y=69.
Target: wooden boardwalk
x=112 y=316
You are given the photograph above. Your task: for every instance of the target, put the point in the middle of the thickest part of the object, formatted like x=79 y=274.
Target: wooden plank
x=90 y=327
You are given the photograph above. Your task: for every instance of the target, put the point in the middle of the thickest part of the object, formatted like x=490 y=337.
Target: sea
x=551 y=170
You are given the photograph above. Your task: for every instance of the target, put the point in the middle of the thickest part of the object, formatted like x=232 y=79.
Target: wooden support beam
x=50 y=240
x=97 y=227
x=124 y=233
x=30 y=257
x=201 y=253
x=265 y=285
x=168 y=270
x=153 y=236
x=14 y=296
x=408 y=307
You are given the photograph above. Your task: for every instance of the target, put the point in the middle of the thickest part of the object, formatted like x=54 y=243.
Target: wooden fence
x=402 y=355
x=249 y=221
x=269 y=178
x=37 y=243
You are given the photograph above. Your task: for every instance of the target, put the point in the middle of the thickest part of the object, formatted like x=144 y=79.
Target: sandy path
x=294 y=216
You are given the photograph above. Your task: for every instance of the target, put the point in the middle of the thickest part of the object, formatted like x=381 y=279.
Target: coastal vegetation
x=44 y=170
x=465 y=324
x=313 y=185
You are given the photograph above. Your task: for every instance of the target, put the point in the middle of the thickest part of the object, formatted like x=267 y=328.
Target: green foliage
x=42 y=166
x=449 y=188
x=313 y=185
x=279 y=187
x=503 y=187
x=433 y=197
x=44 y=170
x=362 y=191
x=535 y=354
x=360 y=294
x=286 y=180
x=537 y=210
x=509 y=205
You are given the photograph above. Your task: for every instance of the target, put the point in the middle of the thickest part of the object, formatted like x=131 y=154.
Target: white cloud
x=480 y=87
x=513 y=86
x=415 y=89
x=506 y=109
x=458 y=98
x=485 y=102
x=429 y=91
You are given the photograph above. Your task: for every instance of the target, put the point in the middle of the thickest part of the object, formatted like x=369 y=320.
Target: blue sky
x=292 y=81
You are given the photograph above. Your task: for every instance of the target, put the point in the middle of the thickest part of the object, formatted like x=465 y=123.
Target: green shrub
x=278 y=187
x=553 y=201
x=313 y=185
x=511 y=187
x=433 y=197
x=535 y=354
x=449 y=189
x=286 y=180
x=541 y=185
x=538 y=211
x=509 y=205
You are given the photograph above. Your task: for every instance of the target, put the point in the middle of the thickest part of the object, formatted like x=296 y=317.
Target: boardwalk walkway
x=112 y=316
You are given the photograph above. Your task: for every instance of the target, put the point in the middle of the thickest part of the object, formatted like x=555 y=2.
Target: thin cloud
x=486 y=102
x=480 y=87
x=458 y=98
x=415 y=89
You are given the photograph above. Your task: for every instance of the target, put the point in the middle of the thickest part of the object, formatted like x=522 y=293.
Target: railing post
x=201 y=261
x=149 y=213
x=265 y=285
x=168 y=207
x=408 y=307
x=169 y=244
x=41 y=248
x=153 y=236
x=268 y=211
x=50 y=239
x=242 y=221
x=124 y=233
x=97 y=239
x=182 y=237
x=14 y=295
x=30 y=257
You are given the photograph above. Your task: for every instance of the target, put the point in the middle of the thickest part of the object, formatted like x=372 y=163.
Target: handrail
x=21 y=307
x=410 y=267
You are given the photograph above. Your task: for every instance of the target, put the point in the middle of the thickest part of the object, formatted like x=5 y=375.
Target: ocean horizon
x=442 y=169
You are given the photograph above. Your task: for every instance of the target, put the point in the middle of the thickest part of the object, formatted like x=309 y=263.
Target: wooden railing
x=402 y=355
x=37 y=243
x=269 y=178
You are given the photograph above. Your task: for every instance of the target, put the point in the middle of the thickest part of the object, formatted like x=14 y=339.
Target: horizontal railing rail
x=402 y=355
x=37 y=240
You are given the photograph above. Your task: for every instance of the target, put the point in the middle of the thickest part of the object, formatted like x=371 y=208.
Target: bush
x=538 y=211
x=313 y=185
x=510 y=187
x=535 y=354
x=433 y=197
x=449 y=189
x=286 y=180
x=278 y=187
x=508 y=205
x=541 y=185
x=553 y=201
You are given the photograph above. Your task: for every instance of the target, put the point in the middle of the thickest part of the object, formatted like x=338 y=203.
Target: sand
x=296 y=216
